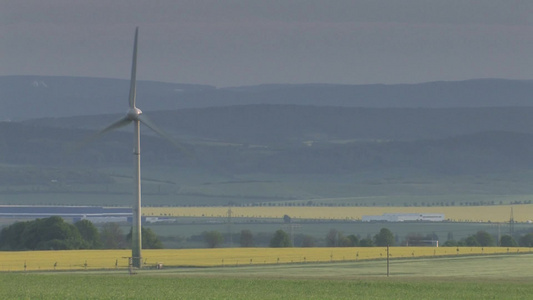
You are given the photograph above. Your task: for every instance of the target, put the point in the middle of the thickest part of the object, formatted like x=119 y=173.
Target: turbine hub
x=134 y=113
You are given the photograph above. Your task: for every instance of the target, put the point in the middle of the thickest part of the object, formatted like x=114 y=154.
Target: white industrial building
x=399 y=217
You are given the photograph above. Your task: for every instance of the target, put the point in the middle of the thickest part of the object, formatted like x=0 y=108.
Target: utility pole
x=291 y=227
x=388 y=255
x=230 y=233
x=499 y=235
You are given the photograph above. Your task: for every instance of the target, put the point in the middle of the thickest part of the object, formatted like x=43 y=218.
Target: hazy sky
x=232 y=43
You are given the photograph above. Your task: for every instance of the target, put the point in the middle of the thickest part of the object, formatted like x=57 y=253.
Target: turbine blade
x=115 y=125
x=133 y=80
x=146 y=121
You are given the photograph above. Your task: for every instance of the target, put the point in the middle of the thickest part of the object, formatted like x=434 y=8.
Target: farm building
x=399 y=217
x=94 y=214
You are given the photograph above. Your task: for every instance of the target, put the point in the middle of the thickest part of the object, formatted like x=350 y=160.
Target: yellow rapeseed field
x=111 y=259
x=493 y=213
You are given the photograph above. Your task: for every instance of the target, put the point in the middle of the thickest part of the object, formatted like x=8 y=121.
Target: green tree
x=149 y=239
x=344 y=241
x=11 y=236
x=366 y=242
x=484 y=238
x=354 y=240
x=112 y=236
x=471 y=241
x=332 y=238
x=526 y=240
x=348 y=241
x=384 y=238
x=213 y=238
x=450 y=243
x=89 y=233
x=51 y=233
x=246 y=238
x=280 y=239
x=508 y=241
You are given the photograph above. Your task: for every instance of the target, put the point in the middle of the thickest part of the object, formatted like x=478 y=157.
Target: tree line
x=54 y=233
x=484 y=239
x=383 y=238
x=281 y=239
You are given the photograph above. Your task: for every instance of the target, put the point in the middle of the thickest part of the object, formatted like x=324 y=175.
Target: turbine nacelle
x=134 y=114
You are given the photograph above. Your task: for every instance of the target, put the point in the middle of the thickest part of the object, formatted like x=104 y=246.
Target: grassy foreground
x=487 y=277
x=121 y=287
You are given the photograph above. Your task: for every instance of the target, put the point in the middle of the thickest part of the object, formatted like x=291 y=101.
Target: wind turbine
x=135 y=116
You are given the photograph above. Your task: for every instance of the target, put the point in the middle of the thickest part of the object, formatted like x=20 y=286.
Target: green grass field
x=486 y=277
x=174 y=187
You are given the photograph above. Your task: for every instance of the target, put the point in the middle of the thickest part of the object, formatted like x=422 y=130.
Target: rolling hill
x=28 y=97
x=271 y=142
x=297 y=139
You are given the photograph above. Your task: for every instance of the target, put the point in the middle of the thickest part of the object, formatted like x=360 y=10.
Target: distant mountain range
x=282 y=139
x=296 y=140
x=295 y=124
x=29 y=97
x=471 y=126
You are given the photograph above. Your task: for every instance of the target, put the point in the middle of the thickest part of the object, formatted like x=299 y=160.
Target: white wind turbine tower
x=135 y=116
